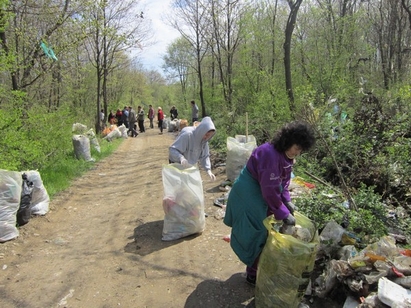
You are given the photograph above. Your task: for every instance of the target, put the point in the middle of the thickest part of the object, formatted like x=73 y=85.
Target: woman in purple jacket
x=261 y=190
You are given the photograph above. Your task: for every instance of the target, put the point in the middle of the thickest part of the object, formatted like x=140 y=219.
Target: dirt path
x=100 y=244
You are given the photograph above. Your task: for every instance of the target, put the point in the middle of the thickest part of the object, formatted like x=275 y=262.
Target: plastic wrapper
x=285 y=265
x=238 y=151
x=403 y=265
x=183 y=202
x=330 y=238
x=385 y=247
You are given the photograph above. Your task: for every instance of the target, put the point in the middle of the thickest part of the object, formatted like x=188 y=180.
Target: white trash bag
x=81 y=146
x=183 y=202
x=10 y=196
x=239 y=150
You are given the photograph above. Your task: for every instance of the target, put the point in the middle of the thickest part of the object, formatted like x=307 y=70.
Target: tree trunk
x=287 y=51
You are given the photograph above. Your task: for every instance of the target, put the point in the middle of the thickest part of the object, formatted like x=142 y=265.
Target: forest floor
x=100 y=244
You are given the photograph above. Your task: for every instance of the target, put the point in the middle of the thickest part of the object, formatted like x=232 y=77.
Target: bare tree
x=389 y=28
x=177 y=63
x=190 y=19
x=225 y=17
x=114 y=28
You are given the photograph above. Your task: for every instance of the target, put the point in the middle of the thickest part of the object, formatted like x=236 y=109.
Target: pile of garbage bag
x=22 y=194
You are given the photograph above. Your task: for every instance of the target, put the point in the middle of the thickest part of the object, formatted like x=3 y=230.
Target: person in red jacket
x=160 y=118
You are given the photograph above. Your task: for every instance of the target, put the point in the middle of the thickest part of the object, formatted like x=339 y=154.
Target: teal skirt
x=245 y=212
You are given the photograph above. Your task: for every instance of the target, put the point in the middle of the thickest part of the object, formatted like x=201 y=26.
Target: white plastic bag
x=123 y=130
x=239 y=150
x=93 y=139
x=114 y=134
x=10 y=195
x=183 y=202
x=81 y=146
x=79 y=128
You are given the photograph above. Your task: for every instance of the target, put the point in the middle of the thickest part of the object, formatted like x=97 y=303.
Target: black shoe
x=251 y=279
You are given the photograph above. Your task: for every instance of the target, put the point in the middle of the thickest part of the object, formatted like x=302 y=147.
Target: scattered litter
x=224 y=188
x=220 y=214
x=227 y=238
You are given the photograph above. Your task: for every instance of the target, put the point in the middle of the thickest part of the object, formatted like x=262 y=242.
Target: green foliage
x=321 y=206
x=368 y=221
x=33 y=138
x=371 y=147
x=58 y=176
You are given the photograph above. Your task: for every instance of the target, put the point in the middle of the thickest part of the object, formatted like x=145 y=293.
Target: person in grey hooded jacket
x=191 y=146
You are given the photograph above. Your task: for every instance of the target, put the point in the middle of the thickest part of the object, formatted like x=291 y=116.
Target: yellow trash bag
x=286 y=263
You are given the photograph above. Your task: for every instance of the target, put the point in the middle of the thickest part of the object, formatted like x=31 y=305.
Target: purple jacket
x=272 y=170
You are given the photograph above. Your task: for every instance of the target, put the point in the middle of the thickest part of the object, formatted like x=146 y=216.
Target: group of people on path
x=129 y=117
x=135 y=119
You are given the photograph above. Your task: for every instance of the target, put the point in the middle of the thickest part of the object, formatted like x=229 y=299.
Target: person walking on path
x=140 y=119
x=160 y=118
x=132 y=122
x=261 y=190
x=151 y=115
x=191 y=146
x=194 y=112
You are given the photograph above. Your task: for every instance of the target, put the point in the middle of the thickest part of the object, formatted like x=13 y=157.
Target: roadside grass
x=58 y=176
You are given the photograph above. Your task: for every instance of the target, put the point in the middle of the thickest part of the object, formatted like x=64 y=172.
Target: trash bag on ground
x=238 y=151
x=172 y=126
x=286 y=263
x=10 y=194
x=79 y=128
x=183 y=202
x=123 y=130
x=93 y=139
x=114 y=134
x=81 y=146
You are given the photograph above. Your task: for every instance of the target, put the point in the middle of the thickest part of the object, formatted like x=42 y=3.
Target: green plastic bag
x=285 y=265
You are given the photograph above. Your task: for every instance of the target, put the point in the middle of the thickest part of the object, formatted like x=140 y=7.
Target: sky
x=163 y=34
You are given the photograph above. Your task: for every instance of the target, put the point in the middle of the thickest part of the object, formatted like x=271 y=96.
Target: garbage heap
x=378 y=275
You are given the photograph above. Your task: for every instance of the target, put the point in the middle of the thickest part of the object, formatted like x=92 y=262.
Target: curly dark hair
x=299 y=133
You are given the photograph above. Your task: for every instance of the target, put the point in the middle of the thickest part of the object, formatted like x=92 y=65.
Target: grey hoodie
x=190 y=144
